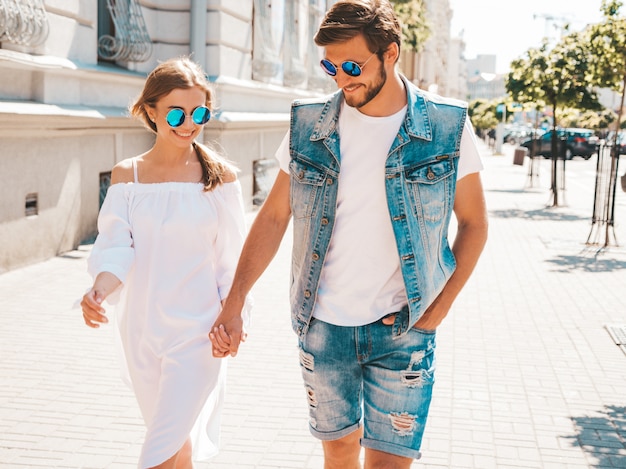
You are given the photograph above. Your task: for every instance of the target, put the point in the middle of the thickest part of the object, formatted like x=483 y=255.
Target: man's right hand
x=261 y=245
x=226 y=335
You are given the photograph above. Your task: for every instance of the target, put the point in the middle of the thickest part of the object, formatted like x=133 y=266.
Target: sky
x=508 y=28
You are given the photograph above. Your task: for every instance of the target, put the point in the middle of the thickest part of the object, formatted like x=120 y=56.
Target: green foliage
x=524 y=80
x=569 y=117
x=558 y=77
x=561 y=78
x=482 y=114
x=415 y=27
x=607 y=46
x=565 y=77
x=593 y=120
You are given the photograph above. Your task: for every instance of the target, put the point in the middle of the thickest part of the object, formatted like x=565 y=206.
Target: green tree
x=607 y=42
x=608 y=67
x=559 y=78
x=415 y=26
x=482 y=114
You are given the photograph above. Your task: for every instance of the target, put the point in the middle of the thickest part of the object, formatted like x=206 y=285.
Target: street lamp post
x=501 y=108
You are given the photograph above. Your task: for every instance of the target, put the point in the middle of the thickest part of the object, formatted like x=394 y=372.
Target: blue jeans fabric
x=364 y=375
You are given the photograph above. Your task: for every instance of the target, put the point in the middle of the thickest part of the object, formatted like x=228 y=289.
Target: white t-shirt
x=361 y=279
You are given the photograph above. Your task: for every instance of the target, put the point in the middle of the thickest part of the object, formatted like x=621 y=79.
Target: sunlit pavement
x=528 y=375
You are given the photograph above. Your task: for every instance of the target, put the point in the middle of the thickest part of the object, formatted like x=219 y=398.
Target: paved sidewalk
x=528 y=376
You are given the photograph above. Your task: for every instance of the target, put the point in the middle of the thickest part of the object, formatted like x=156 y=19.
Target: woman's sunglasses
x=349 y=67
x=200 y=115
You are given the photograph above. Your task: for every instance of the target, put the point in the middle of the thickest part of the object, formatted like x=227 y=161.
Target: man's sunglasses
x=200 y=116
x=349 y=67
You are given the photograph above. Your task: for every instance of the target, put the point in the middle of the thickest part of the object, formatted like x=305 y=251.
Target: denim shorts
x=361 y=375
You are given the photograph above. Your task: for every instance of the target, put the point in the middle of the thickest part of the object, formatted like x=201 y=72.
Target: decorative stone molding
x=23 y=22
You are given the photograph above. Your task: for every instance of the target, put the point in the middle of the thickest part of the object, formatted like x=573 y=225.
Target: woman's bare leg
x=181 y=460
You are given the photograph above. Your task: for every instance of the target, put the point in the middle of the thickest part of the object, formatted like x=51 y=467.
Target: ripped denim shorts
x=362 y=376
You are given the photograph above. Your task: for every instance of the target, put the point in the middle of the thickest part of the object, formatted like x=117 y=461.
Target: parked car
x=515 y=134
x=578 y=142
x=621 y=141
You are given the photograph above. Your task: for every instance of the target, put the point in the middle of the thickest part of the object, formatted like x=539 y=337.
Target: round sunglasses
x=200 y=116
x=349 y=67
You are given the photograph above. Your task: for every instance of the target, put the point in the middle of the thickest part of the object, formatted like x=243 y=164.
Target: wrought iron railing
x=132 y=42
x=23 y=22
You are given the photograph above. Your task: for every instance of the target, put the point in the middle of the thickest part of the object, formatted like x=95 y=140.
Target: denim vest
x=420 y=182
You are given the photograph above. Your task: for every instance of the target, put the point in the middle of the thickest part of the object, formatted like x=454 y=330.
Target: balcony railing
x=132 y=42
x=23 y=22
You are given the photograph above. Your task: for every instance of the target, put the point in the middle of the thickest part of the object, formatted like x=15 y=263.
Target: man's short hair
x=346 y=19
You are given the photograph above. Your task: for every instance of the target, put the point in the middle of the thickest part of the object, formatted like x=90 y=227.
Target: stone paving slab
x=528 y=375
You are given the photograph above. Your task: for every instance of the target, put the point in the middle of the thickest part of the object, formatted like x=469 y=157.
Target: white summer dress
x=175 y=248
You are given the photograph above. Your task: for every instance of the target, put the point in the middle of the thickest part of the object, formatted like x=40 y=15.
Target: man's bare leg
x=375 y=459
x=344 y=452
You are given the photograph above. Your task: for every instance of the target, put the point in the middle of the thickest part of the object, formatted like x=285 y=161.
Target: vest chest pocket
x=306 y=184
x=431 y=188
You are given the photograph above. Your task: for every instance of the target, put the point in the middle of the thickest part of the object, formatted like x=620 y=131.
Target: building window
x=283 y=50
x=264 y=172
x=31 y=206
x=105 y=182
x=122 y=32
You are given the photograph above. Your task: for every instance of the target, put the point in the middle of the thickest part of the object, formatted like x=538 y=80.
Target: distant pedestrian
x=492 y=138
x=170 y=233
x=370 y=177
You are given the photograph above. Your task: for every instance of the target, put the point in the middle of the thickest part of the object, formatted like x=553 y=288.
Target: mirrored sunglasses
x=200 y=116
x=349 y=67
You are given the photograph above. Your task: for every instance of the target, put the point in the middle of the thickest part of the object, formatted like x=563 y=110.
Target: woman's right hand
x=93 y=312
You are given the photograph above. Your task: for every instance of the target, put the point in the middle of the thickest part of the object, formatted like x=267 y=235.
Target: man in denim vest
x=370 y=177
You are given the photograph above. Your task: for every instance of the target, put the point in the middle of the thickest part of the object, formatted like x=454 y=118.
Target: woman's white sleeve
x=113 y=250
x=230 y=238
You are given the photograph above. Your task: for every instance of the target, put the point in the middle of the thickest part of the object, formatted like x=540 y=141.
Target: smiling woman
x=170 y=231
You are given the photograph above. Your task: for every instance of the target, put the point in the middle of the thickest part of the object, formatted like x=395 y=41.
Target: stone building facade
x=69 y=69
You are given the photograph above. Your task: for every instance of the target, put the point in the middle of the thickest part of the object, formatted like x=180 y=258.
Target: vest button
x=307 y=294
x=300 y=174
x=430 y=174
x=315 y=256
x=324 y=221
x=329 y=181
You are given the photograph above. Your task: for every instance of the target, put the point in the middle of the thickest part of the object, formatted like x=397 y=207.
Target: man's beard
x=370 y=92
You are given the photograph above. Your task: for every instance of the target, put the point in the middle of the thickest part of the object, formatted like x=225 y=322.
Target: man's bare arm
x=259 y=249
x=471 y=214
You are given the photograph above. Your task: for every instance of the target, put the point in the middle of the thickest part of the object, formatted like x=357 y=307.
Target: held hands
x=93 y=312
x=226 y=335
